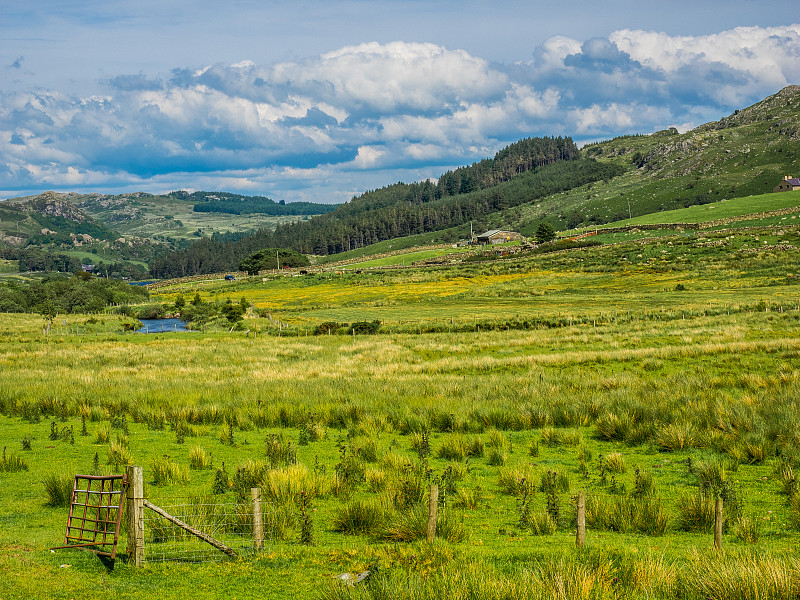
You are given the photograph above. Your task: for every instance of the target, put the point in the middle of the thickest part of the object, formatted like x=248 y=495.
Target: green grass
x=614 y=362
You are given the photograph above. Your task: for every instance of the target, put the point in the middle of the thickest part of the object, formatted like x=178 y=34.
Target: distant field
x=577 y=285
x=407 y=258
x=735 y=207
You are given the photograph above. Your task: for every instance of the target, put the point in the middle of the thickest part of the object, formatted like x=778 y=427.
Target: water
x=162 y=325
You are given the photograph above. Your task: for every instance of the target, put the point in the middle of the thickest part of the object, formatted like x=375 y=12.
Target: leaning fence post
x=258 y=523
x=580 y=536
x=718 y=523
x=135 y=507
x=433 y=505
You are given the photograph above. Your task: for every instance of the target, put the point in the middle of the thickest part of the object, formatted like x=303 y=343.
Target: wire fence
x=230 y=523
x=528 y=519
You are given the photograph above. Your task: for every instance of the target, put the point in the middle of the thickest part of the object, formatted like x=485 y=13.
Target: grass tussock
x=11 y=463
x=119 y=455
x=360 y=517
x=167 y=472
x=645 y=515
x=516 y=481
x=199 y=459
x=411 y=524
x=460 y=447
x=58 y=489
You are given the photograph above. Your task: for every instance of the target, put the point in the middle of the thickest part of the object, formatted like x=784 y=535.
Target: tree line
x=64 y=295
x=237 y=204
x=523 y=172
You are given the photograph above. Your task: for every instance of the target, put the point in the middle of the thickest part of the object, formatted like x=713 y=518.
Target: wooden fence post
x=718 y=523
x=135 y=500
x=433 y=505
x=580 y=536
x=258 y=524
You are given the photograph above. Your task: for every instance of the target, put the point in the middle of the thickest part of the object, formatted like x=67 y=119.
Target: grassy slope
x=735 y=207
x=148 y=216
x=741 y=155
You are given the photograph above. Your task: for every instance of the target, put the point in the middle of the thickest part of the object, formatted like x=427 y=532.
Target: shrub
x=364 y=328
x=58 y=489
x=326 y=328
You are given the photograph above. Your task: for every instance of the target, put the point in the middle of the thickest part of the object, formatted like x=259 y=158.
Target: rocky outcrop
x=51 y=204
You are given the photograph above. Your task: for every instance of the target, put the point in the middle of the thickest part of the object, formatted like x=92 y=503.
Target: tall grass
x=411 y=524
x=199 y=459
x=167 y=472
x=359 y=517
x=745 y=576
x=58 y=489
x=11 y=463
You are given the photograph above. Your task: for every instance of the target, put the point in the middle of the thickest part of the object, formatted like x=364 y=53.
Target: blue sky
x=322 y=100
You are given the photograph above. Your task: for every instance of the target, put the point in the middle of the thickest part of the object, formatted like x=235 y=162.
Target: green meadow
x=651 y=375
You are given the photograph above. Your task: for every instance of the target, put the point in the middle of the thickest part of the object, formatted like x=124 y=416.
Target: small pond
x=162 y=326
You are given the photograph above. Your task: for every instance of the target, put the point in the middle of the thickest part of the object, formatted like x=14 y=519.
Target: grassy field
x=735 y=207
x=651 y=375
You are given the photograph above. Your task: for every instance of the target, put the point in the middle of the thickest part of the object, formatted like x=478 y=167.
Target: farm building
x=498 y=236
x=789 y=184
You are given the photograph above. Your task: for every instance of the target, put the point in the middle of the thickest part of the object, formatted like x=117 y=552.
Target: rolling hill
x=533 y=180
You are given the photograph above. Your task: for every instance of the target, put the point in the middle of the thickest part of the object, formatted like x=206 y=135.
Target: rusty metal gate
x=95 y=513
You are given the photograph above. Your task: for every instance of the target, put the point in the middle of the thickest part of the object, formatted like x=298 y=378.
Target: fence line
x=251 y=524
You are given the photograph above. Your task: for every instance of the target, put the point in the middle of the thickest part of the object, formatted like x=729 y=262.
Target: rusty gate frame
x=90 y=516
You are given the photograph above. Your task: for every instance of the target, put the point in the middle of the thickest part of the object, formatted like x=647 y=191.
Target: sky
x=321 y=101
